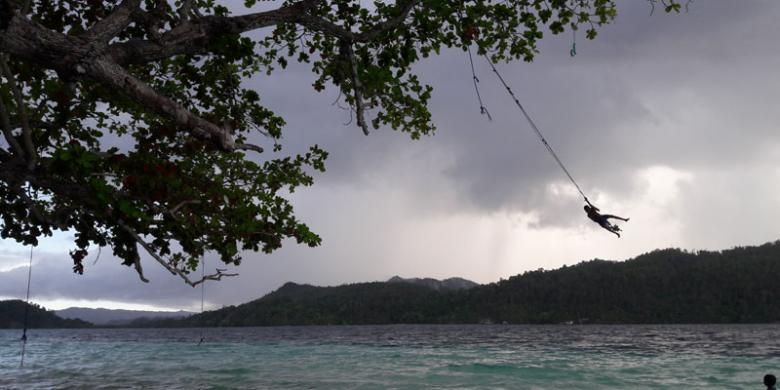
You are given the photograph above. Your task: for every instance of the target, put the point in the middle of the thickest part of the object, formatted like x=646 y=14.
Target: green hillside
x=740 y=285
x=12 y=316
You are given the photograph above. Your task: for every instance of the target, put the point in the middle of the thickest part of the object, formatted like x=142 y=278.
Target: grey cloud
x=52 y=278
x=606 y=112
x=610 y=112
x=730 y=207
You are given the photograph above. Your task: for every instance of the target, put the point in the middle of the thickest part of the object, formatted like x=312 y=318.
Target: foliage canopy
x=127 y=122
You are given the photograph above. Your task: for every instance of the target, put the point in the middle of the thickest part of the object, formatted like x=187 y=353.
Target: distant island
x=739 y=285
x=116 y=317
x=12 y=313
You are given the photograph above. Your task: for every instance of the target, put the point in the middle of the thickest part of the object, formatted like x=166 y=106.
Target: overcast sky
x=671 y=120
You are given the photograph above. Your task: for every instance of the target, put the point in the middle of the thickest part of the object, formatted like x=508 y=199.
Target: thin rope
x=482 y=109
x=535 y=128
x=26 y=308
x=202 y=295
x=573 y=51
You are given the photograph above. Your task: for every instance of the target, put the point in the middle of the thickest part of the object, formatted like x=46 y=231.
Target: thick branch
x=32 y=156
x=27 y=40
x=47 y=48
x=118 y=20
x=195 y=37
x=5 y=122
x=113 y=75
x=184 y=11
x=43 y=46
x=357 y=87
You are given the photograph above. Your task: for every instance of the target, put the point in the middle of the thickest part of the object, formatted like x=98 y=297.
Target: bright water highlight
x=396 y=357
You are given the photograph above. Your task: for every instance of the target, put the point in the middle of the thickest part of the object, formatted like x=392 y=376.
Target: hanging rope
x=202 y=295
x=482 y=109
x=26 y=308
x=573 y=51
x=536 y=129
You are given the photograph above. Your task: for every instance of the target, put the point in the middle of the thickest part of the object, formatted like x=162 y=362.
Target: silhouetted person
x=769 y=381
x=603 y=219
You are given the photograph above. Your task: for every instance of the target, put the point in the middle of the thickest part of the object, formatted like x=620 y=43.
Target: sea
x=395 y=357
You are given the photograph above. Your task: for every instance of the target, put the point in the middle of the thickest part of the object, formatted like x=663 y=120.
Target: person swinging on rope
x=603 y=219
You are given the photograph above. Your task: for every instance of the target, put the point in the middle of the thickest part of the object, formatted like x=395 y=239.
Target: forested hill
x=361 y=303
x=740 y=285
x=12 y=316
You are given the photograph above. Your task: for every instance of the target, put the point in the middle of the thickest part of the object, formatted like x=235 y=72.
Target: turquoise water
x=396 y=357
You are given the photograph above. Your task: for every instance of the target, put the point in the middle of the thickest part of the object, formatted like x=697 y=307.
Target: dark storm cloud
x=667 y=100
x=690 y=90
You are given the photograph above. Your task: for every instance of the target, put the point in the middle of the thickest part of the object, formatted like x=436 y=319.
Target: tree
x=126 y=121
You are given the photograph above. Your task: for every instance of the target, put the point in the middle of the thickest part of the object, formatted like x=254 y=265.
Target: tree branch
x=118 y=20
x=389 y=24
x=153 y=19
x=32 y=156
x=137 y=265
x=36 y=212
x=184 y=11
x=181 y=204
x=5 y=122
x=357 y=87
x=325 y=26
x=194 y=38
x=173 y=270
x=115 y=76
x=256 y=148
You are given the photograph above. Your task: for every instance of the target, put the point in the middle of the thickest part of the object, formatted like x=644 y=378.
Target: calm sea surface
x=396 y=357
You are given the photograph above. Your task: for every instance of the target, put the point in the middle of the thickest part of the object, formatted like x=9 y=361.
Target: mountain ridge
x=449 y=284
x=116 y=317
x=737 y=285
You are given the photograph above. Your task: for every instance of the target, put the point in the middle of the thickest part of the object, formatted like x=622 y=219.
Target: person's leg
x=608 y=216
x=608 y=227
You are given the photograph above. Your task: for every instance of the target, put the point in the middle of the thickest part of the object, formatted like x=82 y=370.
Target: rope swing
x=202 y=296
x=26 y=308
x=535 y=128
x=592 y=211
x=573 y=51
x=482 y=109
